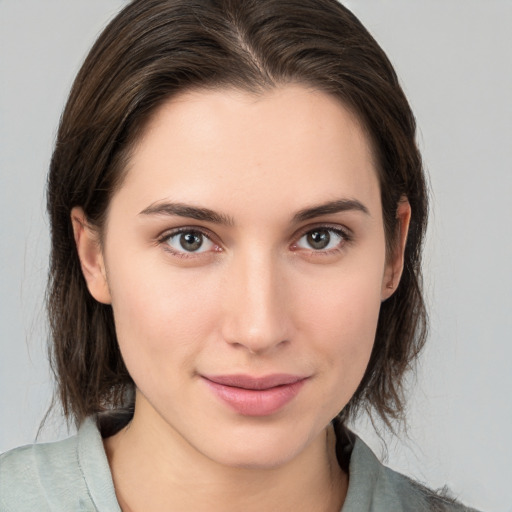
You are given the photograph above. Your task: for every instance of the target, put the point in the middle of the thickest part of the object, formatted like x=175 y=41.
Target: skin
x=256 y=298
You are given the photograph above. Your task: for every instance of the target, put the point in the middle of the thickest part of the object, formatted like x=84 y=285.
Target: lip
x=255 y=396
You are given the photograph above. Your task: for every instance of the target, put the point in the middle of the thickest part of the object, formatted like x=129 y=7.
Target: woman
x=237 y=206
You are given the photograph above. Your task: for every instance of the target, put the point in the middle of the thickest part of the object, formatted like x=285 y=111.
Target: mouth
x=255 y=396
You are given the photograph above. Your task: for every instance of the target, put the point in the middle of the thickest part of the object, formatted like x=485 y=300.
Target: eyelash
x=164 y=240
x=343 y=234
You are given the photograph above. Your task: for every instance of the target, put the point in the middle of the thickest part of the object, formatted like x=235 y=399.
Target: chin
x=262 y=449
x=257 y=459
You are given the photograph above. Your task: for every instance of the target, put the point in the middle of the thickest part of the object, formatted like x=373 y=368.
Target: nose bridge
x=255 y=304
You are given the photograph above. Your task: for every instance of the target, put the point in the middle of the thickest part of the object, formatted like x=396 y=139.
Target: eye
x=321 y=239
x=189 y=241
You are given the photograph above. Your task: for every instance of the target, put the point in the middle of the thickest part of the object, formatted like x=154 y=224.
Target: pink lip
x=255 y=396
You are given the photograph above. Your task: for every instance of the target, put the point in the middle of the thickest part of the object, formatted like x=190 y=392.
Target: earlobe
x=91 y=256
x=395 y=263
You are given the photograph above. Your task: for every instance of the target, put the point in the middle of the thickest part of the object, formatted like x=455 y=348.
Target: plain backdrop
x=454 y=58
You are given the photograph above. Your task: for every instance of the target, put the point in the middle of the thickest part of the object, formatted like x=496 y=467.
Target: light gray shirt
x=74 y=476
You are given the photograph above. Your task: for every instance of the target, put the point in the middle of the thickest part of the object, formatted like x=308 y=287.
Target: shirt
x=73 y=475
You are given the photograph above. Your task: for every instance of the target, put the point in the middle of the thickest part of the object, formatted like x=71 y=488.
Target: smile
x=255 y=396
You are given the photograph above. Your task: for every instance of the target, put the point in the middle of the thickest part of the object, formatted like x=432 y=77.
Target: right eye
x=188 y=241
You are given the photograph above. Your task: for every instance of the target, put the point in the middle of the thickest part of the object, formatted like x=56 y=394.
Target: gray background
x=454 y=60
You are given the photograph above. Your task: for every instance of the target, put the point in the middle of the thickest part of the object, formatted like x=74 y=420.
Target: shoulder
x=415 y=496
x=374 y=487
x=440 y=500
x=60 y=476
x=29 y=473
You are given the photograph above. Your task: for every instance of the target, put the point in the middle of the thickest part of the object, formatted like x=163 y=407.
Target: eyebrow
x=188 y=211
x=340 y=205
x=207 y=215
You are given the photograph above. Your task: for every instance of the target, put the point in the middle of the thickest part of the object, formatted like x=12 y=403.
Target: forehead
x=293 y=143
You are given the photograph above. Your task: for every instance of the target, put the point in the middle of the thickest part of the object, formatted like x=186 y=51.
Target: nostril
x=260 y=346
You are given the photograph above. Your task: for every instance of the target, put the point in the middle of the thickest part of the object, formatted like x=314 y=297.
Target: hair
x=154 y=49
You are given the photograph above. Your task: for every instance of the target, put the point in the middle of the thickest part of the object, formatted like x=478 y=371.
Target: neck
x=155 y=469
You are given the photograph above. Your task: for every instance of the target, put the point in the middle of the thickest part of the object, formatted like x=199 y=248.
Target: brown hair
x=152 y=50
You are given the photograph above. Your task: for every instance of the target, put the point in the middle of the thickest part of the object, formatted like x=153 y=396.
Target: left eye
x=321 y=239
x=189 y=241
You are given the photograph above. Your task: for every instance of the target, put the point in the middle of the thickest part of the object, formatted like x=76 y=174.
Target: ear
x=395 y=263
x=91 y=256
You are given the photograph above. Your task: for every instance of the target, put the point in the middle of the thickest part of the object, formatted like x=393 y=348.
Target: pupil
x=319 y=239
x=191 y=241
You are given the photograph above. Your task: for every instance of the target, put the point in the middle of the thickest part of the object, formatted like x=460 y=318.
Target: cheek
x=343 y=300
x=160 y=316
x=341 y=317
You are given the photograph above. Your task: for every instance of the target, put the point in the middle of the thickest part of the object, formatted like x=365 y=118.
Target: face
x=244 y=258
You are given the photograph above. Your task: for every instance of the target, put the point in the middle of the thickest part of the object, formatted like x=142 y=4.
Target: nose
x=255 y=305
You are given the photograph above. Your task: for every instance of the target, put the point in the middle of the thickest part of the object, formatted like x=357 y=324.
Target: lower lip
x=256 y=402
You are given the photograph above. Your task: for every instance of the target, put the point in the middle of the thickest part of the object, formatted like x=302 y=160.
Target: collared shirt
x=74 y=476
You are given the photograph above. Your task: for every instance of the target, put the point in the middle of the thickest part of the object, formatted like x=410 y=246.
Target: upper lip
x=256 y=383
